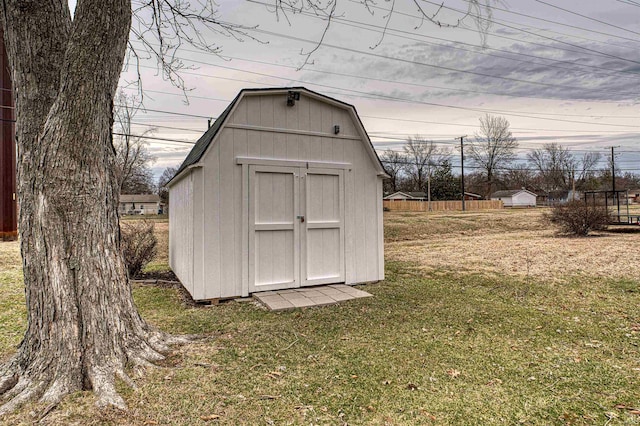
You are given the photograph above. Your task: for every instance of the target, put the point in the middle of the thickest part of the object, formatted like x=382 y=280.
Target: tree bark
x=83 y=327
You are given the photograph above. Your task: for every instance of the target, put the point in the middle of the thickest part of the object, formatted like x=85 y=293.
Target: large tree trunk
x=83 y=327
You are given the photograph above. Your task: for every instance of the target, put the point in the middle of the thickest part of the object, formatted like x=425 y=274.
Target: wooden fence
x=439 y=206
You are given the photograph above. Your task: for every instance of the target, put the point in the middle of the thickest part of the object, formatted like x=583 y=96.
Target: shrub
x=577 y=218
x=138 y=244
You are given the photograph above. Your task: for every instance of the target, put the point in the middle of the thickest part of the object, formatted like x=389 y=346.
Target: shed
x=515 y=198
x=283 y=191
x=403 y=195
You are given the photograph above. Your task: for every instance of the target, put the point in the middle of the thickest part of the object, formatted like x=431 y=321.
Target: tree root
x=47 y=381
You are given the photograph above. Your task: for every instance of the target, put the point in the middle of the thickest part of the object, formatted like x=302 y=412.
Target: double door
x=296 y=227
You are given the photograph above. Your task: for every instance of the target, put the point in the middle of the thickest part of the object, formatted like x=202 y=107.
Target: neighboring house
x=634 y=196
x=283 y=191
x=563 y=197
x=470 y=196
x=553 y=198
x=403 y=195
x=515 y=198
x=140 y=204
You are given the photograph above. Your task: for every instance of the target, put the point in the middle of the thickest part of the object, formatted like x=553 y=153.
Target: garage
x=283 y=191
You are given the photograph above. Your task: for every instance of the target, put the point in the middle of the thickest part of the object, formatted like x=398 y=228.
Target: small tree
x=138 y=245
x=577 y=218
x=445 y=186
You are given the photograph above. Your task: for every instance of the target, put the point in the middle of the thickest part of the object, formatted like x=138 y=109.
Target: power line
x=386 y=31
x=441 y=67
x=629 y=2
x=588 y=17
x=534 y=34
x=153 y=138
x=590 y=30
x=169 y=112
x=408 y=120
x=382 y=80
x=403 y=100
x=168 y=127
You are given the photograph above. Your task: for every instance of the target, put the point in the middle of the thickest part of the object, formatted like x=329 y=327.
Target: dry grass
x=506 y=243
x=448 y=338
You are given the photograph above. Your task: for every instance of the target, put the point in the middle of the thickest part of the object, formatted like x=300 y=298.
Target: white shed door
x=273 y=228
x=322 y=236
x=296 y=227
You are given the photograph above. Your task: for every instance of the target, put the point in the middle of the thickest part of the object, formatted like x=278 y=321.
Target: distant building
x=515 y=198
x=140 y=204
x=470 y=196
x=634 y=196
x=404 y=195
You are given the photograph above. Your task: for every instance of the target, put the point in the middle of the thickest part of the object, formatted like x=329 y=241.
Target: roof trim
x=512 y=192
x=202 y=145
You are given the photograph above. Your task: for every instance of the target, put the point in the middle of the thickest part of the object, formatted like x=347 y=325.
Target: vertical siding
x=198 y=234
x=221 y=230
x=380 y=214
x=240 y=148
x=181 y=231
x=228 y=212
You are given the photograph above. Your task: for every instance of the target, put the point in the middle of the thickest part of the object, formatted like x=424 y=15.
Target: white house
x=515 y=198
x=144 y=204
x=403 y=195
x=283 y=191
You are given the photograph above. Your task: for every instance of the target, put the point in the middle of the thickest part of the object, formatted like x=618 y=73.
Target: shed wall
x=181 y=231
x=264 y=127
x=523 y=199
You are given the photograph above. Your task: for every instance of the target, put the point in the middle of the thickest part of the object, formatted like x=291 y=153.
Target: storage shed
x=515 y=198
x=283 y=191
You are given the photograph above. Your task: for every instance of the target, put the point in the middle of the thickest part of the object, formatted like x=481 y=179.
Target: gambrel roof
x=209 y=136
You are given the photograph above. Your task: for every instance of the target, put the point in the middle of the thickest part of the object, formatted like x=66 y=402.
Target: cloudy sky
x=566 y=75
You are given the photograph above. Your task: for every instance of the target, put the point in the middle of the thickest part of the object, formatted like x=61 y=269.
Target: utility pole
x=613 y=180
x=613 y=170
x=8 y=202
x=462 y=169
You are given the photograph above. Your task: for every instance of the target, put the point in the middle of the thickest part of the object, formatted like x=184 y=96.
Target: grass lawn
x=484 y=318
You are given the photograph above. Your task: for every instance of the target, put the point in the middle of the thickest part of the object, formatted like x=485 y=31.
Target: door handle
x=301 y=219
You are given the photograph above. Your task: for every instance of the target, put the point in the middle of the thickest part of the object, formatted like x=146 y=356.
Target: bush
x=577 y=218
x=138 y=245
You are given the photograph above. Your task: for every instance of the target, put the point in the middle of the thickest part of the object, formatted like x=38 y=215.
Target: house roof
x=417 y=194
x=471 y=194
x=139 y=198
x=414 y=194
x=510 y=193
x=208 y=137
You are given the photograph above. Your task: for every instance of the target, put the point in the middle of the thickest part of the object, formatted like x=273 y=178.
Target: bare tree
x=422 y=157
x=555 y=166
x=493 y=148
x=559 y=169
x=520 y=176
x=83 y=328
x=164 y=178
x=587 y=169
x=132 y=155
x=394 y=163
